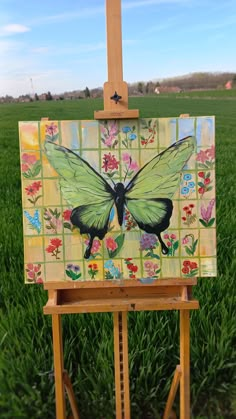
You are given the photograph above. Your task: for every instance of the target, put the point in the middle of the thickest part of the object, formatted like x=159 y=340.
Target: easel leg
x=58 y=366
x=121 y=365
x=184 y=364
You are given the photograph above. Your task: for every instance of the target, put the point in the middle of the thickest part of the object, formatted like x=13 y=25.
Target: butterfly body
x=147 y=196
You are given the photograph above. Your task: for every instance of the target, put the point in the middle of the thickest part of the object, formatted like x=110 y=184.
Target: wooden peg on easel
x=115 y=89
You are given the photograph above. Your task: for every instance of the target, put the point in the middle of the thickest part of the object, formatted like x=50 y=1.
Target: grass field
x=26 y=383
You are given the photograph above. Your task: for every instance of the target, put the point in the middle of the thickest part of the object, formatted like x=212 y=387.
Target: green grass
x=26 y=384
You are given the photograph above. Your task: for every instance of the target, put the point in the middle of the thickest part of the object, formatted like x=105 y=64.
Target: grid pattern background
x=117 y=149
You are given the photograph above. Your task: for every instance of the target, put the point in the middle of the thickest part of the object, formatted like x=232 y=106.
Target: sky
x=60 y=45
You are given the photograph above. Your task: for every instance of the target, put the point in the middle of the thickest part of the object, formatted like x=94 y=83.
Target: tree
x=36 y=96
x=87 y=92
x=140 y=87
x=49 y=96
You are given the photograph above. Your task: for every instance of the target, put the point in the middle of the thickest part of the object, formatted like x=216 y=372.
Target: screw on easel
x=116 y=97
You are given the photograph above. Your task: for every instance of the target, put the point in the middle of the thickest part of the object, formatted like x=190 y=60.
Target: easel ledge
x=104 y=296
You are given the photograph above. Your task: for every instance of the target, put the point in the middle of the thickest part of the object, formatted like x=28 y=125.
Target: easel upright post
x=185 y=364
x=58 y=366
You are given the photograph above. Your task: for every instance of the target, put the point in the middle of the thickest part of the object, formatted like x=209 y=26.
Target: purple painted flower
x=206 y=212
x=148 y=241
x=76 y=268
x=70 y=266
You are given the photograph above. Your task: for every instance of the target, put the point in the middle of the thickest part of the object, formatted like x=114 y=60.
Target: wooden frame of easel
x=120 y=297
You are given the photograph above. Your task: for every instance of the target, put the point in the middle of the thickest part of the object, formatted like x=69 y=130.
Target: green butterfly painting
x=147 y=196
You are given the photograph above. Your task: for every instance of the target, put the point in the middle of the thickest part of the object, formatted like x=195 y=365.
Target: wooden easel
x=120 y=297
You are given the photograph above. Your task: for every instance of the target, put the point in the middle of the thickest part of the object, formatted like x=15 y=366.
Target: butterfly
x=147 y=196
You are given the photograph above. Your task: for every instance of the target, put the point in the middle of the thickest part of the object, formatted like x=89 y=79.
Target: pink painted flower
x=166 y=236
x=126 y=158
x=173 y=236
x=207 y=212
x=185 y=240
x=211 y=152
x=30 y=266
x=51 y=129
x=111 y=244
x=29 y=158
x=134 y=166
x=95 y=247
x=148 y=264
x=168 y=244
x=24 y=167
x=31 y=275
x=202 y=156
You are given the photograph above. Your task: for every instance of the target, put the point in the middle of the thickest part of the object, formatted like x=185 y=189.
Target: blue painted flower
x=126 y=129
x=191 y=184
x=132 y=137
x=108 y=264
x=76 y=268
x=34 y=221
x=187 y=176
x=185 y=190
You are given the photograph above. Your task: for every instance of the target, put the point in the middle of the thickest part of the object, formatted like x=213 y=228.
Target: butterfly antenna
x=127 y=171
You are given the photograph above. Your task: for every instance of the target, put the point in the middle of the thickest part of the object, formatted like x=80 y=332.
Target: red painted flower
x=186 y=208
x=193 y=265
x=56 y=242
x=185 y=270
x=191 y=205
x=24 y=167
x=50 y=248
x=173 y=236
x=66 y=214
x=184 y=218
x=201 y=174
x=201 y=191
x=207 y=181
x=169 y=244
x=37 y=186
x=186 y=263
x=109 y=162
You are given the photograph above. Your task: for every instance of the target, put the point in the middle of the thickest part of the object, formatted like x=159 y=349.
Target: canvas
x=118 y=200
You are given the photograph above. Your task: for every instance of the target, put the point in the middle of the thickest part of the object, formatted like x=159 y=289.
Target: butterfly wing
x=148 y=195
x=84 y=189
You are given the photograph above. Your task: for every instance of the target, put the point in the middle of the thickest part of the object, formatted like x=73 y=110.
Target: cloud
x=63 y=17
x=12 y=29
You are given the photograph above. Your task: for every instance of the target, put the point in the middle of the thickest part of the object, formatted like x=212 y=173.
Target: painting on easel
x=117 y=200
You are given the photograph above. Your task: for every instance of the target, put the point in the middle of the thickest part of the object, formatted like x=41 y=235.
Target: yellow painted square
x=129 y=134
x=207 y=242
x=74 y=271
x=33 y=249
x=208 y=267
x=113 y=270
x=34 y=273
x=175 y=218
x=55 y=271
x=48 y=170
x=188 y=214
x=51 y=192
x=31 y=227
x=74 y=246
x=94 y=270
x=29 y=138
x=131 y=247
x=151 y=268
x=170 y=268
x=52 y=220
x=167 y=132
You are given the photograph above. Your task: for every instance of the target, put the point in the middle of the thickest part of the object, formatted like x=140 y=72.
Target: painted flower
x=66 y=214
x=148 y=241
x=51 y=129
x=187 y=176
x=131 y=267
x=111 y=244
x=206 y=214
x=185 y=190
x=95 y=247
x=109 y=162
x=73 y=271
x=33 y=272
x=31 y=190
x=126 y=129
x=53 y=247
x=29 y=159
x=132 y=137
x=52 y=220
